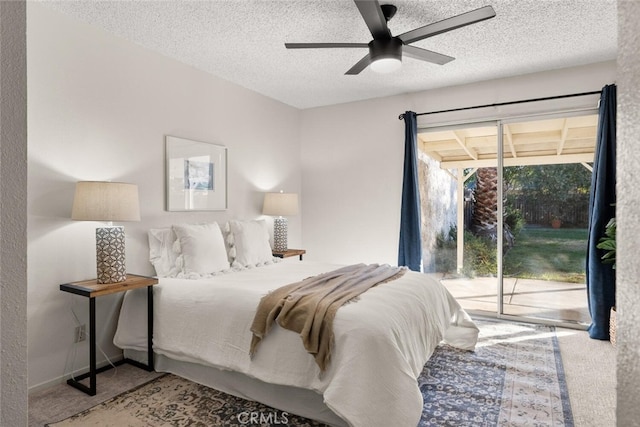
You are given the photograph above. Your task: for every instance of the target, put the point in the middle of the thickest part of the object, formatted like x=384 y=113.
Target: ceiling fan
x=385 y=50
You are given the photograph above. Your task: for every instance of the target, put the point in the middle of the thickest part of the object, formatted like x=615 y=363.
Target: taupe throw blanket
x=309 y=307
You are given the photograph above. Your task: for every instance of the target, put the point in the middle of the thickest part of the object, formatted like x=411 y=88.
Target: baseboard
x=63 y=378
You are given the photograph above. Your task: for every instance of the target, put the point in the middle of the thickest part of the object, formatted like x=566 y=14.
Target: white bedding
x=382 y=341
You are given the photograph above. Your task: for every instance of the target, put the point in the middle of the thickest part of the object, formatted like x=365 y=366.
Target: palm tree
x=485 y=210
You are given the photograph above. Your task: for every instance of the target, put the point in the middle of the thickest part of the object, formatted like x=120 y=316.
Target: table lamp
x=280 y=205
x=107 y=201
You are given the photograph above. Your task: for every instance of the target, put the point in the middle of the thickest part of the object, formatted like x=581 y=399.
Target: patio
x=547 y=300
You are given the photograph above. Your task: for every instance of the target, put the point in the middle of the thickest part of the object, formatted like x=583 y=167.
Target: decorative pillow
x=250 y=241
x=202 y=248
x=228 y=242
x=161 y=252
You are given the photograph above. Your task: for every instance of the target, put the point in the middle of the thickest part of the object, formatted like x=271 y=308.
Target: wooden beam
x=541 y=137
x=563 y=136
x=429 y=153
x=520 y=161
x=588 y=166
x=442 y=144
x=582 y=133
x=507 y=132
x=469 y=175
x=451 y=174
x=481 y=141
x=472 y=153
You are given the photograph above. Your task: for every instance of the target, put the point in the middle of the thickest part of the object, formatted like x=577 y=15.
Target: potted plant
x=556 y=222
x=608 y=244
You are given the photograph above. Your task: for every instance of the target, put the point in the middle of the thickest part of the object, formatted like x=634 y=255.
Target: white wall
x=628 y=215
x=352 y=155
x=351 y=182
x=99 y=108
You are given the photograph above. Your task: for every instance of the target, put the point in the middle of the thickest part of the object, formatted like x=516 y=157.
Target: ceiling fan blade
x=373 y=17
x=323 y=45
x=360 y=65
x=448 y=24
x=426 y=55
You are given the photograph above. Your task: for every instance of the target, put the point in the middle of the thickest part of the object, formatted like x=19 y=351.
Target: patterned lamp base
x=110 y=255
x=280 y=234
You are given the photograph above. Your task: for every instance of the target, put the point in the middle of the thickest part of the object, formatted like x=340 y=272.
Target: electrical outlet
x=81 y=333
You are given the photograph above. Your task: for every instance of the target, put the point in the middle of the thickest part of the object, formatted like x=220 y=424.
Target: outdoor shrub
x=479 y=254
x=514 y=219
x=445 y=251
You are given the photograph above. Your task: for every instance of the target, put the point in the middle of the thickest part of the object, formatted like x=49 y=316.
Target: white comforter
x=382 y=341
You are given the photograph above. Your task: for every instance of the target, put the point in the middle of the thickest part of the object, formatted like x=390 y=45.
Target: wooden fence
x=573 y=214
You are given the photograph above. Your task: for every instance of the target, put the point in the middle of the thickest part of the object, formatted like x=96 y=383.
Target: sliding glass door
x=505 y=212
x=459 y=179
x=546 y=182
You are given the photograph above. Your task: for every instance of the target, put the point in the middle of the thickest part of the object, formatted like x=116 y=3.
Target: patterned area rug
x=513 y=378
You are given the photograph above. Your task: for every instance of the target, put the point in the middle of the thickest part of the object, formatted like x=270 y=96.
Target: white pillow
x=202 y=248
x=161 y=253
x=251 y=243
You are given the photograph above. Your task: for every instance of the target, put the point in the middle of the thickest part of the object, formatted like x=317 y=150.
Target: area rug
x=513 y=378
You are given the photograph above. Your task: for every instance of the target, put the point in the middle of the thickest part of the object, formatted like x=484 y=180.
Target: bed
x=202 y=329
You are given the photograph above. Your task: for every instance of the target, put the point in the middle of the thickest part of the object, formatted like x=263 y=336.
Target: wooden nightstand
x=91 y=289
x=289 y=252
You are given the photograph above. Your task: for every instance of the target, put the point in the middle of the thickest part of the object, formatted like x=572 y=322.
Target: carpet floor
x=514 y=377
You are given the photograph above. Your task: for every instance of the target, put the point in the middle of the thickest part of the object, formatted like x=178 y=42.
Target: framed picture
x=196 y=175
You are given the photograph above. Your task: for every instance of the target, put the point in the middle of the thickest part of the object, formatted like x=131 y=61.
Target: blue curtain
x=601 y=279
x=410 y=250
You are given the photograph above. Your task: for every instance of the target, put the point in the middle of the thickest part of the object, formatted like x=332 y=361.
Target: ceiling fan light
x=386 y=65
x=386 y=55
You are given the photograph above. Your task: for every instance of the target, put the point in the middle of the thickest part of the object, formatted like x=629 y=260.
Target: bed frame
x=294 y=400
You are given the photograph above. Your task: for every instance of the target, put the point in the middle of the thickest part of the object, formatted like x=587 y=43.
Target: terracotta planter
x=556 y=223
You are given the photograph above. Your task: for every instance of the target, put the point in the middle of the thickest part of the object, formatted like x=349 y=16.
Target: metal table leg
x=75 y=382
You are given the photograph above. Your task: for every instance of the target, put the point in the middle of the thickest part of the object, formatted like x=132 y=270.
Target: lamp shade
x=280 y=204
x=105 y=201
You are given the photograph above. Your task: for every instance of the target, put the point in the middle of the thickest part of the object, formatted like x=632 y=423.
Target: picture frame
x=196 y=175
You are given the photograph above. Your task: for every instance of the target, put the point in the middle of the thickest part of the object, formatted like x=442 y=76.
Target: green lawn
x=548 y=254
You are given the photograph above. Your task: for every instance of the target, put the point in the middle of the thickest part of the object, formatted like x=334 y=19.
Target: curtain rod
x=401 y=116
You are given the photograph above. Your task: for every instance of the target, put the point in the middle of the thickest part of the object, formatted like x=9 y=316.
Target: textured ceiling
x=243 y=41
